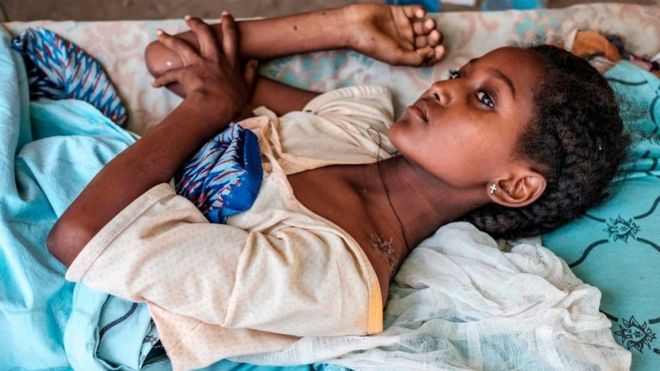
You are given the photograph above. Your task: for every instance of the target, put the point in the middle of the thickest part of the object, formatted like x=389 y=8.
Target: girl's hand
x=213 y=75
x=399 y=35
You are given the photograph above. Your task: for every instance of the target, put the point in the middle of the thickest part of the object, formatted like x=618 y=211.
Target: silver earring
x=492 y=188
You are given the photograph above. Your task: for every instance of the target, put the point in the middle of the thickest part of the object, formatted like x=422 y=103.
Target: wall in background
x=23 y=10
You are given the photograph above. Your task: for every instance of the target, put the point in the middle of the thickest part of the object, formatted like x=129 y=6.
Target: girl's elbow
x=66 y=240
x=159 y=59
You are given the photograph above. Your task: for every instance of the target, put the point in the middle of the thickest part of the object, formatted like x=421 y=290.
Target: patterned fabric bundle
x=59 y=69
x=225 y=175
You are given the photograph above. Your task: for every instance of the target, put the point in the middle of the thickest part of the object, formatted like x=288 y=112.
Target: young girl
x=518 y=142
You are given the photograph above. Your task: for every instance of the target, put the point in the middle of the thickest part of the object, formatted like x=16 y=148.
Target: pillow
x=616 y=246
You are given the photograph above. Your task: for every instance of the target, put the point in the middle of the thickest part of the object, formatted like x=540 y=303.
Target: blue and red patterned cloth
x=224 y=176
x=58 y=69
x=222 y=179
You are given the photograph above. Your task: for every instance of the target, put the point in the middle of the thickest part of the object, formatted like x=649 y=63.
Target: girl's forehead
x=509 y=56
x=521 y=68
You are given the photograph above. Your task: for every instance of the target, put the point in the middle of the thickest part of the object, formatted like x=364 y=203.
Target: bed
x=626 y=272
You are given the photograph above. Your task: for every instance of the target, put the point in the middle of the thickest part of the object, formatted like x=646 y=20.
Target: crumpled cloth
x=59 y=69
x=224 y=176
x=458 y=302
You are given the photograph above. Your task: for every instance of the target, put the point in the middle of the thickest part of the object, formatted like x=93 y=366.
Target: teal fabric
x=616 y=246
x=49 y=151
x=22 y=306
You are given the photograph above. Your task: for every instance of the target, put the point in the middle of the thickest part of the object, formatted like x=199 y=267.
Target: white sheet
x=458 y=303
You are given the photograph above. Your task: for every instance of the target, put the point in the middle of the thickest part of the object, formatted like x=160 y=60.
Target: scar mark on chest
x=385 y=247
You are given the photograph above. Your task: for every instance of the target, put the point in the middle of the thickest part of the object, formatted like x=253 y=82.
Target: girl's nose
x=440 y=92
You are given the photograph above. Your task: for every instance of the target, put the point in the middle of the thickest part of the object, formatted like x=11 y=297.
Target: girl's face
x=464 y=130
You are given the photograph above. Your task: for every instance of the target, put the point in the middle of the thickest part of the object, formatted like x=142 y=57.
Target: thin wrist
x=209 y=114
x=344 y=25
x=300 y=33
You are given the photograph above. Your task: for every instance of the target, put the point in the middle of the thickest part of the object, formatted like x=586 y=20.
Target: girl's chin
x=403 y=129
x=394 y=132
x=401 y=137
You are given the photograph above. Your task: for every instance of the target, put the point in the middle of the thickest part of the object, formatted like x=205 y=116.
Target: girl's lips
x=417 y=111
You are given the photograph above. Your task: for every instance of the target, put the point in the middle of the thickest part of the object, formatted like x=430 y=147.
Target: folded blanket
x=48 y=152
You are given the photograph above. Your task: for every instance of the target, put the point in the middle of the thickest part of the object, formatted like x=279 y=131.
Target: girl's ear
x=520 y=189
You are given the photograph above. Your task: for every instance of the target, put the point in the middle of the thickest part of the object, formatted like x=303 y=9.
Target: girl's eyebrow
x=501 y=76
x=498 y=74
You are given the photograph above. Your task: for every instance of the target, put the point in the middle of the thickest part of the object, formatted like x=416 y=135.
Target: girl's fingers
x=421 y=41
x=410 y=58
x=185 y=51
x=418 y=28
x=414 y=11
x=436 y=55
x=230 y=39
x=208 y=47
x=168 y=77
x=439 y=52
x=424 y=27
x=250 y=73
x=435 y=38
x=429 y=24
x=432 y=39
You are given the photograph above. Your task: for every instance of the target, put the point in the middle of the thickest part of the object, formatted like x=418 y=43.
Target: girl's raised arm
x=216 y=91
x=393 y=34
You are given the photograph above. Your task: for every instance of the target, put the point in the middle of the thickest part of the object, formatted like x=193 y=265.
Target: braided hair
x=575 y=141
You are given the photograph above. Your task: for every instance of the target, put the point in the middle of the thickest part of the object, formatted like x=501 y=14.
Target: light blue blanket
x=49 y=151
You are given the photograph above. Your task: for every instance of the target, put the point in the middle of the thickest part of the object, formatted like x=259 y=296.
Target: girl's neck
x=421 y=201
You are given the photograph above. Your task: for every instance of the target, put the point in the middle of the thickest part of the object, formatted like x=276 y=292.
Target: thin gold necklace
x=387 y=193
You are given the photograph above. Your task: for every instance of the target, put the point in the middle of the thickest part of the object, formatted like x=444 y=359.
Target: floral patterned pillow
x=616 y=246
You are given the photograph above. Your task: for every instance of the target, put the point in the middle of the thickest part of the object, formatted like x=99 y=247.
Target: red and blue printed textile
x=58 y=69
x=224 y=177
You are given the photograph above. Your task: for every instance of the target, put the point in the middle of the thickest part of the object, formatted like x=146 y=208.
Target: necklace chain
x=387 y=193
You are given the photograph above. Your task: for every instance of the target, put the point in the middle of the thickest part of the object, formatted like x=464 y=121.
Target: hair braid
x=576 y=142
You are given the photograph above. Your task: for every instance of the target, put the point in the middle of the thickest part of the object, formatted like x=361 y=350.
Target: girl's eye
x=484 y=98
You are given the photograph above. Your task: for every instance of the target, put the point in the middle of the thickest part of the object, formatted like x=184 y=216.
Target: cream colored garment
x=272 y=274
